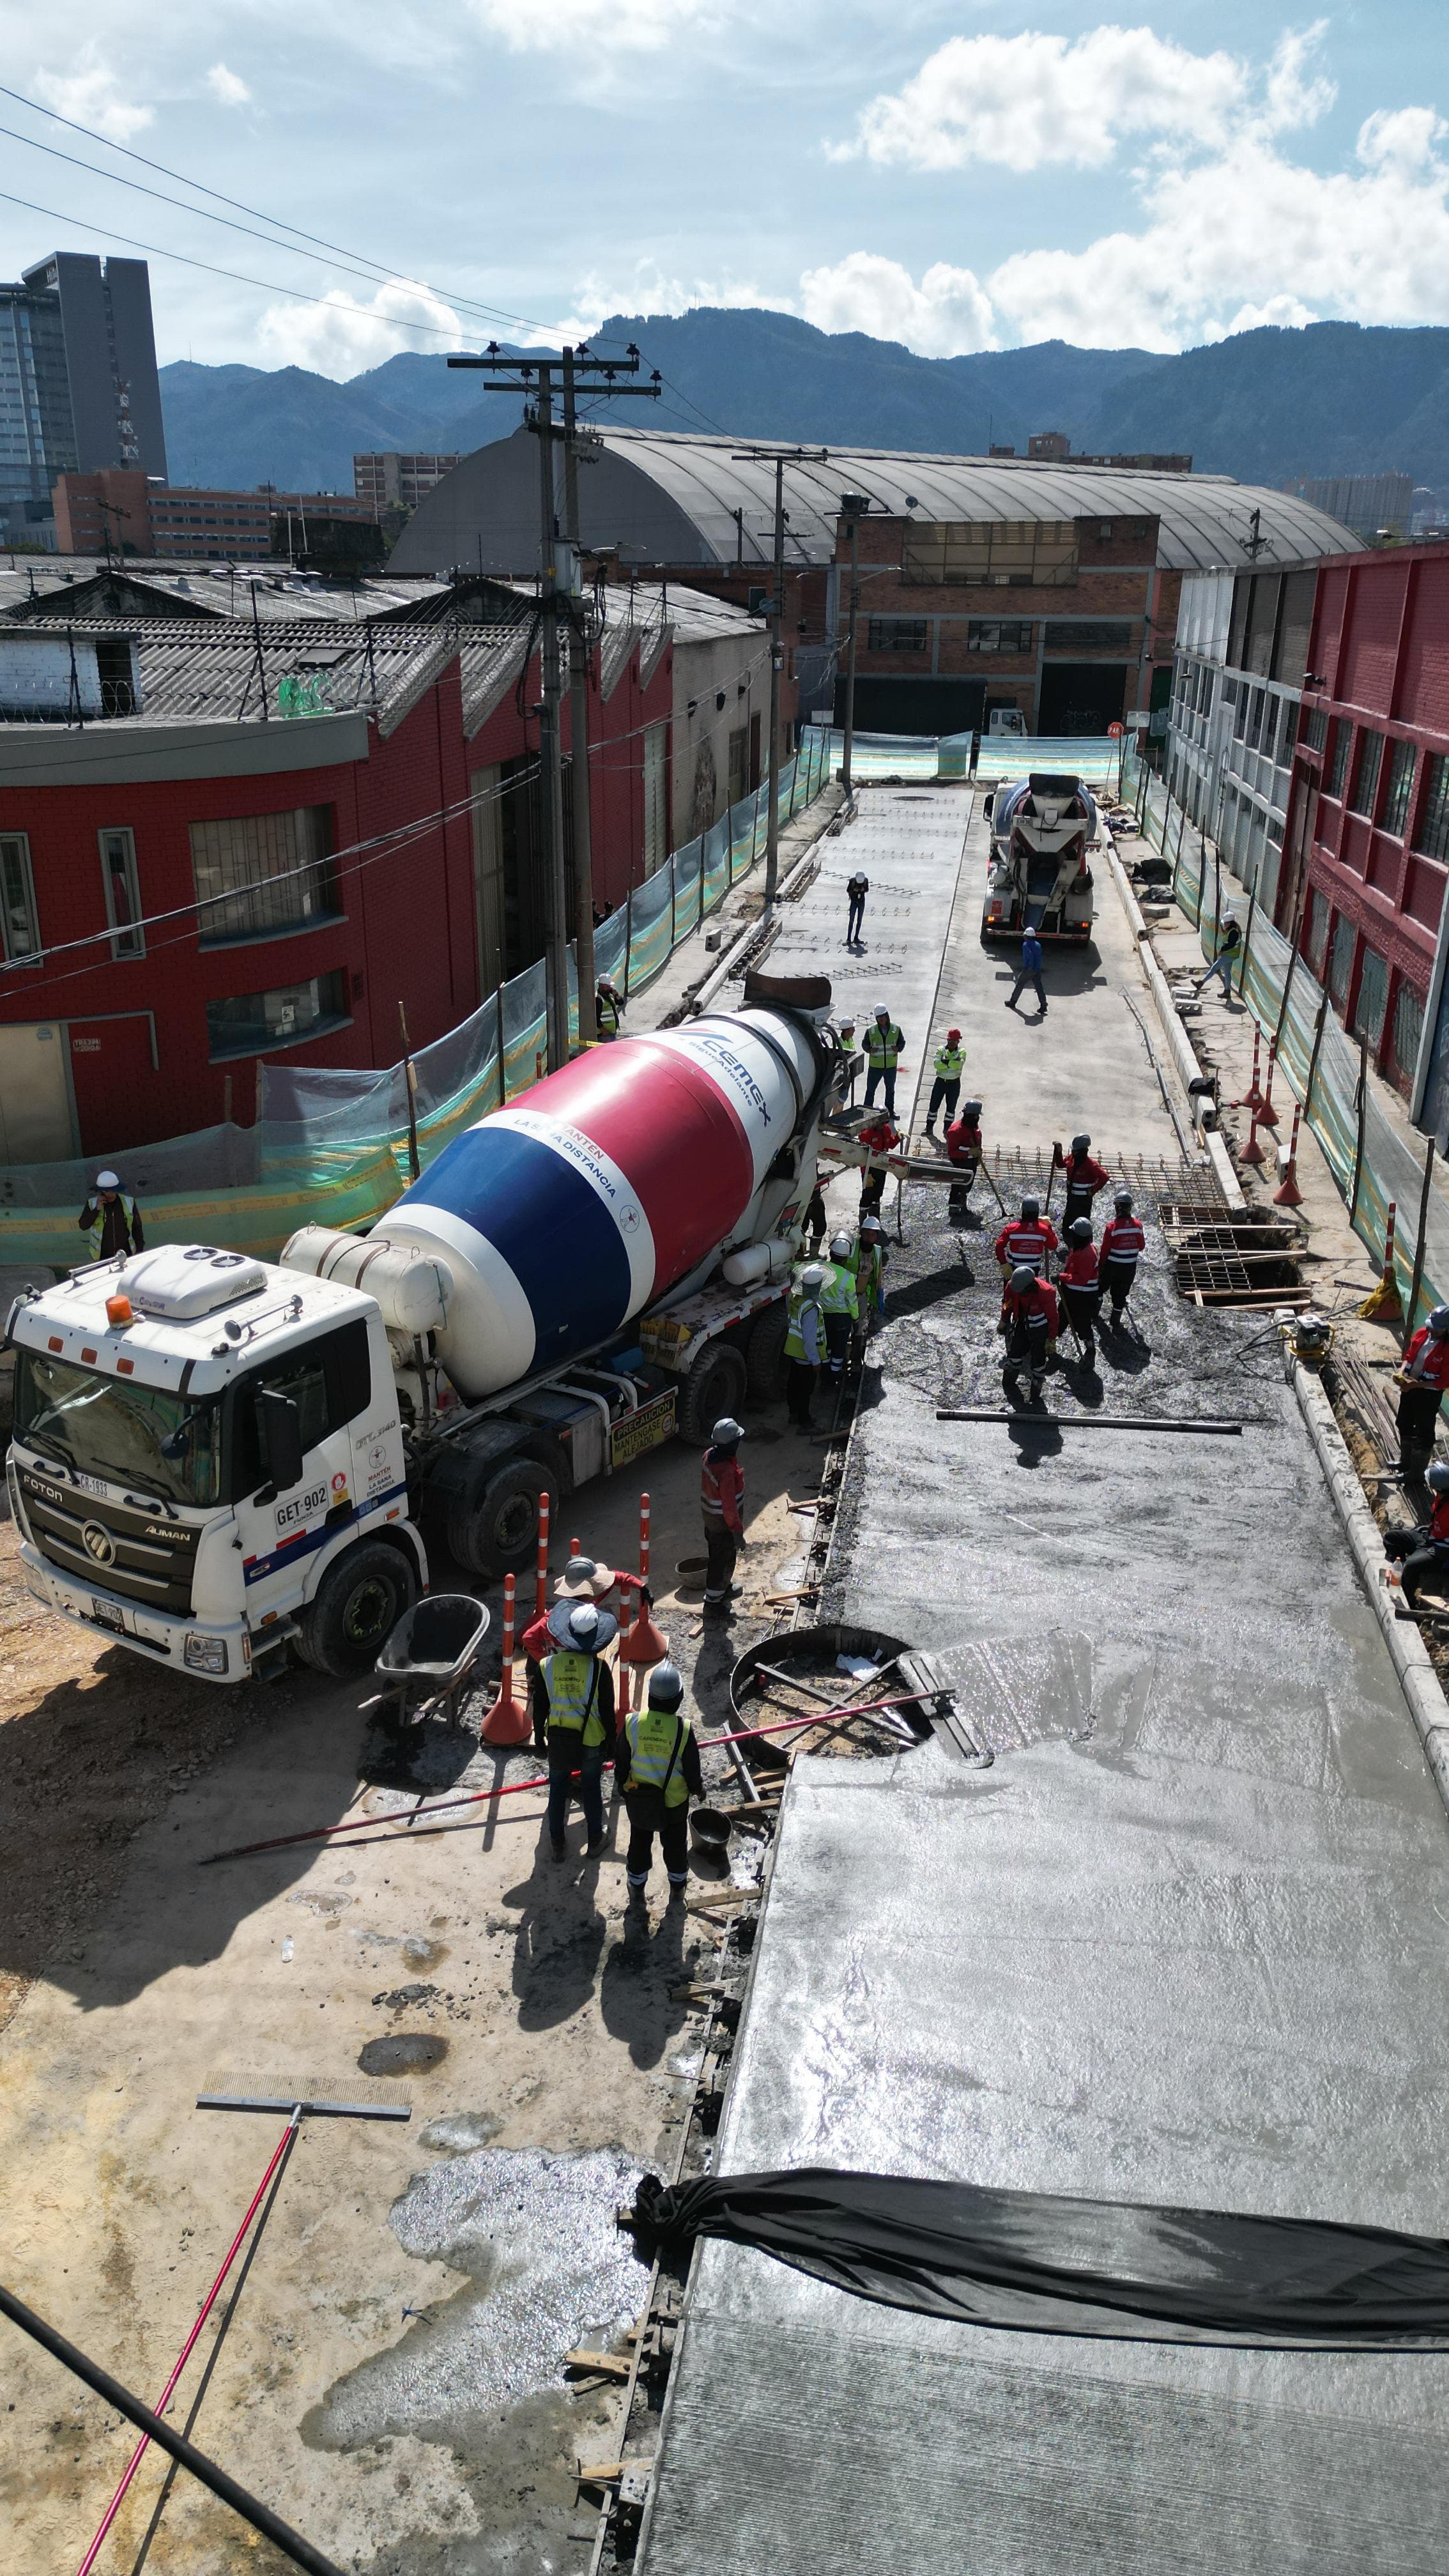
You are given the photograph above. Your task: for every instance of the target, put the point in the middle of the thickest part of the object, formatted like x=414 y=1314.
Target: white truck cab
x=207 y=1461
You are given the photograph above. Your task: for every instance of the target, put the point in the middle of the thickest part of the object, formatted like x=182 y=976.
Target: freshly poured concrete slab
x=1186 y=1939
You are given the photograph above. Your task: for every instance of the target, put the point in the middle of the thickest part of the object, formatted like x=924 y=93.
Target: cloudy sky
x=957 y=177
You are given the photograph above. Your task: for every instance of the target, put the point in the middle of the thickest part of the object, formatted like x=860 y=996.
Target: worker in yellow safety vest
x=111 y=1220
x=804 y=1344
x=656 y=1767
x=839 y=1305
x=608 y=1007
x=883 y=1044
x=871 y=1256
x=571 y=1694
x=947 y=1084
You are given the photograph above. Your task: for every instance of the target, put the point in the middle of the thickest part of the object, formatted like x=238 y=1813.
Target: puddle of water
x=402 y=2052
x=547 y=2269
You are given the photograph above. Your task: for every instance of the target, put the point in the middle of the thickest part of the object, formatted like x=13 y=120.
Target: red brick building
x=1368 y=817
x=189 y=884
x=119 y=512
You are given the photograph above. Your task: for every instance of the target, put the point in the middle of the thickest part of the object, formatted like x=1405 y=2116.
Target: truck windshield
x=128 y=1434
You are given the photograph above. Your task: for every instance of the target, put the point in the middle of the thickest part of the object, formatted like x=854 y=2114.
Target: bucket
x=711 y=1830
x=692 y=1572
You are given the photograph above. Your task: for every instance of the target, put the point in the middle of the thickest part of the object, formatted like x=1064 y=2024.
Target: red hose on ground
x=516 y=1788
x=184 y=2355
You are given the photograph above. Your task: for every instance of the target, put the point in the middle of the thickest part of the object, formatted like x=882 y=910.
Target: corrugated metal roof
x=1204 y=518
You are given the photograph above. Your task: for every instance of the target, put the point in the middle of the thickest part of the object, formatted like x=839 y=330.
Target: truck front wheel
x=716 y=1384
x=499 y=1535
x=358 y=1603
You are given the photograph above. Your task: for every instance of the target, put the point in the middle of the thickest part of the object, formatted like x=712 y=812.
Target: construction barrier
x=1095 y=757
x=330 y=1145
x=1374 y=1164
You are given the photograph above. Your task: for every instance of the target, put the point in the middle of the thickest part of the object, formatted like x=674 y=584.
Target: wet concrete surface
x=1185 y=1939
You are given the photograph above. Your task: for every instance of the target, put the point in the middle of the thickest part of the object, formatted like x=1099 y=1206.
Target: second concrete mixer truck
x=216 y=1458
x=1039 y=878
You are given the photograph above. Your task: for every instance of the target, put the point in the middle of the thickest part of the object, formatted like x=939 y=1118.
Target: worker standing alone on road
x=946 y=1085
x=1421 y=1378
x=804 y=1344
x=1226 y=958
x=572 y=1697
x=857 y=888
x=1080 y=1286
x=721 y=1499
x=1028 y=1237
x=657 y=1771
x=112 y=1219
x=1029 y=972
x=1031 y=1321
x=883 y=1044
x=608 y=1007
x=1123 y=1244
x=1425 y=1550
x=1084 y=1179
x=839 y=1305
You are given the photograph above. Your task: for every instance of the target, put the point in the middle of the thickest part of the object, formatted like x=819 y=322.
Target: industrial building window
x=1205 y=690
x=1366 y=774
x=257 y=874
x=997 y=635
x=1340 y=959
x=1314 y=731
x=1317 y=939
x=656 y=797
x=1006 y=554
x=1373 y=999
x=1087 y=635
x=1338 y=762
x=253 y=1023
x=897 y=635
x=18 y=921
x=1432 y=836
x=1408 y=1026
x=1255 y=720
x=123 y=899
x=1396 y=803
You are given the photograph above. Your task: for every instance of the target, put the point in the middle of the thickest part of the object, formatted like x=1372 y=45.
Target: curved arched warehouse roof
x=666 y=497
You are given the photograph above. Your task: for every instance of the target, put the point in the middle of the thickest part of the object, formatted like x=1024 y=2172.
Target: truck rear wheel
x=358 y=1603
x=499 y=1535
x=716 y=1384
x=765 y=1354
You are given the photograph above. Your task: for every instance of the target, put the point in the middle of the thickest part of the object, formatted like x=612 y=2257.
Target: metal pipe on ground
x=250 y=2508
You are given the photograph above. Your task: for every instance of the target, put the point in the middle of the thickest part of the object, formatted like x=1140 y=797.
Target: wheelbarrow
x=433 y=1649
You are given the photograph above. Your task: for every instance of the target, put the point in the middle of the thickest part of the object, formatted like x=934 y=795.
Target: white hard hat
x=812 y=1276
x=840 y=1247
x=108 y=1180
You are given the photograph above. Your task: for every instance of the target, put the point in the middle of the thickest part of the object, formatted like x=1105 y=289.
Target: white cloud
x=342 y=336
x=1280 y=313
x=1027 y=101
x=945 y=316
x=90 y=95
x=227 y=86
x=613 y=26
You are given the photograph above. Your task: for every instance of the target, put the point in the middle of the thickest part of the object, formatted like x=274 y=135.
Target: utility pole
x=536 y=377
x=580 y=649
x=780 y=457
x=852 y=505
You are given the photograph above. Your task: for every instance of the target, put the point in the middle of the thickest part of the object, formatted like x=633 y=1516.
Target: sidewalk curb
x=1410 y=1656
x=1188 y=1068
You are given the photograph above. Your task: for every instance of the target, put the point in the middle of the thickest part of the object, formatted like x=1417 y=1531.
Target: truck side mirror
x=986 y=804
x=279 y=1431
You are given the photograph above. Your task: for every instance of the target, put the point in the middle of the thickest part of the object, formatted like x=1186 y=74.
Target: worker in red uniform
x=1421 y=1378
x=1123 y=1244
x=1425 y=1550
x=1084 y=1179
x=879 y=1135
x=1080 y=1286
x=963 y=1139
x=1028 y=1237
x=1031 y=1321
x=721 y=1499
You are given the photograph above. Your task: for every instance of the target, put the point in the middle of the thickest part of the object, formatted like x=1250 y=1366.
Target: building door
x=1082 y=697
x=739 y=760
x=36 y=1122
x=118 y=1095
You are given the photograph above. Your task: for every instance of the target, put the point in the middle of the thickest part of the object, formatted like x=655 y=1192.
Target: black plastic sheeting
x=1040 y=2263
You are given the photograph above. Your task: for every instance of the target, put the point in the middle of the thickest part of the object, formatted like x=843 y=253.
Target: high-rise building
x=1373 y=505
x=78 y=385
x=390 y=481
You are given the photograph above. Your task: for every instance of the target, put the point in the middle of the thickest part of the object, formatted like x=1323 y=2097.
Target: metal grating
x=1220 y=1260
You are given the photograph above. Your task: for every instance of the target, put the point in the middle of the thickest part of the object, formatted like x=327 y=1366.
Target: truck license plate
x=107 y=1615
x=643 y=1430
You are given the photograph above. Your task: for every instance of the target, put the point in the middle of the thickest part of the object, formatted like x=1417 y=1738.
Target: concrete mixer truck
x=216 y=1459
x=1038 y=878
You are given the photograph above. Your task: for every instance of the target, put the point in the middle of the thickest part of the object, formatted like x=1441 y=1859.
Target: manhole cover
x=403 y=2052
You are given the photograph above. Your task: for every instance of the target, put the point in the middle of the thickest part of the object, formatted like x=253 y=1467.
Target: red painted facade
x=1364 y=889
x=141 y=1056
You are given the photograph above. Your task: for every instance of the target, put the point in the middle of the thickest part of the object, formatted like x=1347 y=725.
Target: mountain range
x=1266 y=405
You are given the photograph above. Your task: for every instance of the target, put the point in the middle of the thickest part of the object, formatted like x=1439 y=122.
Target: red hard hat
x=950 y=1034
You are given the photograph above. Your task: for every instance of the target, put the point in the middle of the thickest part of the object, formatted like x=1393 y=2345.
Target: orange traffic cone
x=644 y=1643
x=1382 y=1305
x=1267 y=1114
x=506 y=1722
x=1288 y=1193
x=1253 y=1152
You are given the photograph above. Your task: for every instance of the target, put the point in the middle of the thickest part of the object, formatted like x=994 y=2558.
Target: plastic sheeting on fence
x=1368 y=1154
x=331 y=1142
x=1095 y=757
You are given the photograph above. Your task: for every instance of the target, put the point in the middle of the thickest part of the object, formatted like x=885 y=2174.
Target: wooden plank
x=604 y=2365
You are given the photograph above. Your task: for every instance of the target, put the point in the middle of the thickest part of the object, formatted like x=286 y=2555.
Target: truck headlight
x=205 y=1654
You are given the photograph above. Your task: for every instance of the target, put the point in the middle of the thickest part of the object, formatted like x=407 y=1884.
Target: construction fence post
x=1418 y=1278
x=1361 y=1104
